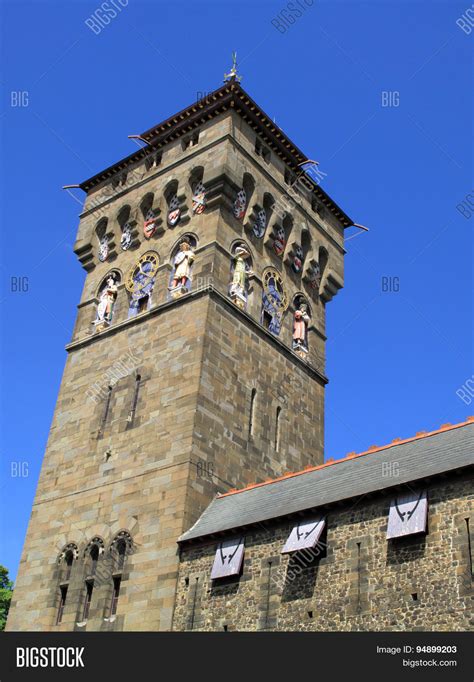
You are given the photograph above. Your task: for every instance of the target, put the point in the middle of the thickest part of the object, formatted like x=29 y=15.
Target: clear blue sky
x=395 y=360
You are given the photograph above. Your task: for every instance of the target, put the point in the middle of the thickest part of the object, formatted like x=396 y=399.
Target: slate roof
x=426 y=454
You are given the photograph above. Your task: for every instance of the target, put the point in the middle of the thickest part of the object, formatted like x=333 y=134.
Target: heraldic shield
x=240 y=204
x=199 y=198
x=408 y=514
x=228 y=559
x=149 y=226
x=174 y=211
x=305 y=535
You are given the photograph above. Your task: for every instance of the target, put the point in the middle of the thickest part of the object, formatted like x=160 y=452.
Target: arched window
x=103 y=240
x=173 y=207
x=299 y=251
x=69 y=560
x=150 y=215
x=182 y=260
x=279 y=235
x=262 y=216
x=243 y=197
x=123 y=220
x=92 y=554
x=199 y=192
x=120 y=548
x=66 y=562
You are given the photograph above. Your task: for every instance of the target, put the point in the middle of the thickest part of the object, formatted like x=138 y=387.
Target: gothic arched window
x=126 y=228
x=102 y=238
x=199 y=192
x=150 y=215
x=243 y=197
x=173 y=207
x=120 y=549
x=66 y=562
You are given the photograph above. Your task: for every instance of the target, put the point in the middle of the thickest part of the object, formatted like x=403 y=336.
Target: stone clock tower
x=197 y=362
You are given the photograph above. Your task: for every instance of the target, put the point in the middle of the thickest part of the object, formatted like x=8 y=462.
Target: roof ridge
x=352 y=455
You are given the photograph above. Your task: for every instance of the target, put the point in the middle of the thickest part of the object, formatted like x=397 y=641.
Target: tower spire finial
x=233 y=75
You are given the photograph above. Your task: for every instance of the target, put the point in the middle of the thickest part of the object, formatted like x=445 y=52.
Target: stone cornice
x=231 y=96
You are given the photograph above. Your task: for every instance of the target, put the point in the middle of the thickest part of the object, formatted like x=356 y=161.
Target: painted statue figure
x=238 y=286
x=182 y=274
x=107 y=301
x=300 y=330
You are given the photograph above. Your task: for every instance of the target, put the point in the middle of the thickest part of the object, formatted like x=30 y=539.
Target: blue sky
x=395 y=358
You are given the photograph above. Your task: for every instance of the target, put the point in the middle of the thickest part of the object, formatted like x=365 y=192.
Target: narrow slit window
x=106 y=411
x=252 y=411
x=88 y=599
x=135 y=398
x=277 y=429
x=62 y=603
x=115 y=596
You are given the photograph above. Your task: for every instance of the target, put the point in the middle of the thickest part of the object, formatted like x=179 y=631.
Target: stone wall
x=198 y=360
x=359 y=581
x=151 y=473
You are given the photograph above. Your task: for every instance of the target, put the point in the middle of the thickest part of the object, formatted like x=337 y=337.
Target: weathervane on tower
x=233 y=75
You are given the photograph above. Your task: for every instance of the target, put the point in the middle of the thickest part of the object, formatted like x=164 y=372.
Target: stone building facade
x=353 y=578
x=197 y=367
x=178 y=388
